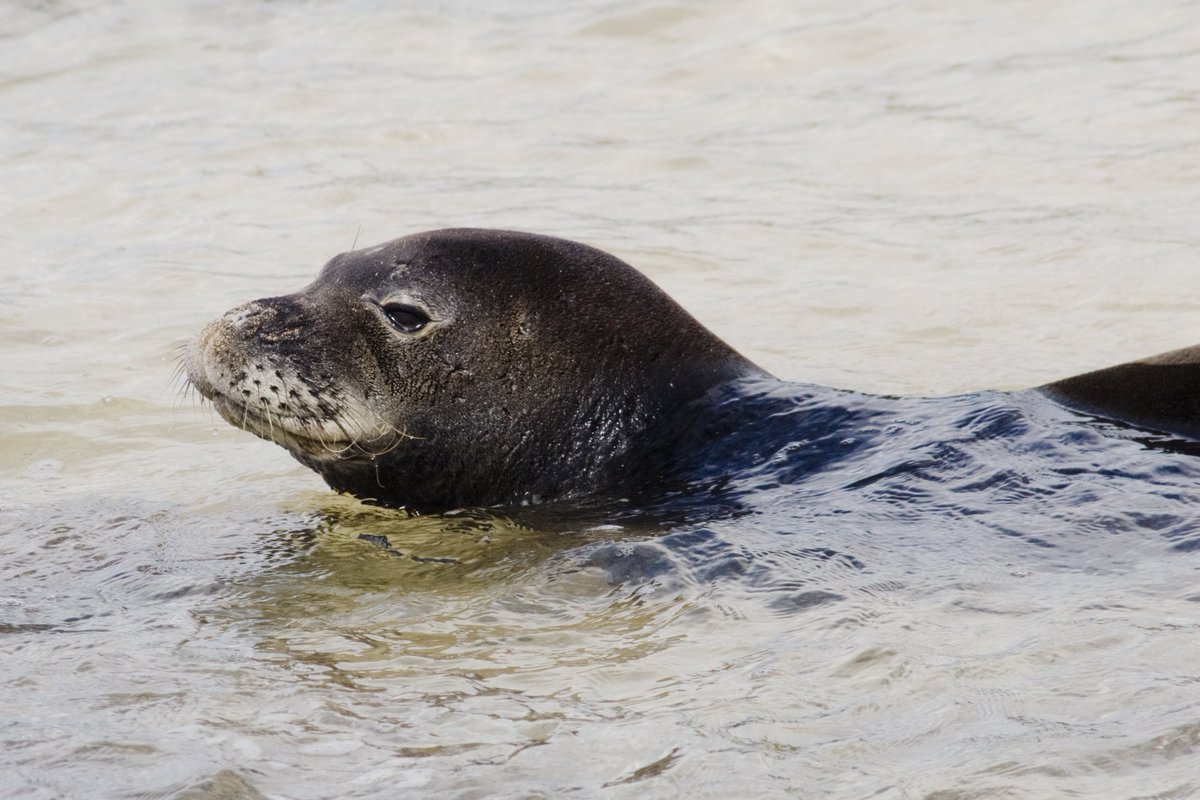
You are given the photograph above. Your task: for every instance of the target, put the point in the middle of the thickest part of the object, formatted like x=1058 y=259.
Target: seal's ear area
x=1160 y=393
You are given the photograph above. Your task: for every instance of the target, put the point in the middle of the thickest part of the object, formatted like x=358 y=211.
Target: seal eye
x=406 y=319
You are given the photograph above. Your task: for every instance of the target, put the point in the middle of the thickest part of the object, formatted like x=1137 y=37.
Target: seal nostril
x=247 y=318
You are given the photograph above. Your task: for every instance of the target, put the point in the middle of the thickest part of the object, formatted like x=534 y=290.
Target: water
x=901 y=198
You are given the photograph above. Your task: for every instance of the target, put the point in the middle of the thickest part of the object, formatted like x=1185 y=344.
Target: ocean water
x=897 y=198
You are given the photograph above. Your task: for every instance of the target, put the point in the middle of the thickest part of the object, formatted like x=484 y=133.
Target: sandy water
x=915 y=198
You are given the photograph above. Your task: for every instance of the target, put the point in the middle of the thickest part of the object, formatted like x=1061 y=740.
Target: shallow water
x=916 y=198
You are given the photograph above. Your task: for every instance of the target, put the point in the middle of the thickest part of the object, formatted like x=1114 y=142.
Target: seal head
x=464 y=368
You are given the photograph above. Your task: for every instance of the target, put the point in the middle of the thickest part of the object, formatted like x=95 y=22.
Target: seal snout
x=224 y=346
x=258 y=365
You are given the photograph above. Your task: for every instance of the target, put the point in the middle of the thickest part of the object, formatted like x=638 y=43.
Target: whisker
x=352 y=441
x=178 y=372
x=379 y=430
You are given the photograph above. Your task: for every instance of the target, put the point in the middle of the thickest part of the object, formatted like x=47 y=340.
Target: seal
x=471 y=367
x=463 y=368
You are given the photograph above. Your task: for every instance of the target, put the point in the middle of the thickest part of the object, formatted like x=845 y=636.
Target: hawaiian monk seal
x=477 y=367
x=462 y=367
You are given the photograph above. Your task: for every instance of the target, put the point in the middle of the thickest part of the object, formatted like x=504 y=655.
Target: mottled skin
x=540 y=369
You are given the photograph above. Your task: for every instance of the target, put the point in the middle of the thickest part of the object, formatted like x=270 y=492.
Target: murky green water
x=902 y=198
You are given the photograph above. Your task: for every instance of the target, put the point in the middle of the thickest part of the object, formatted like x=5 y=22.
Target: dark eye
x=406 y=319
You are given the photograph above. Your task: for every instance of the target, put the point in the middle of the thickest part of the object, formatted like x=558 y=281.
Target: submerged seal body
x=476 y=367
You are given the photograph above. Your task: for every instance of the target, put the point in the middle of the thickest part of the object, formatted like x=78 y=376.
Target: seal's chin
x=313 y=439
